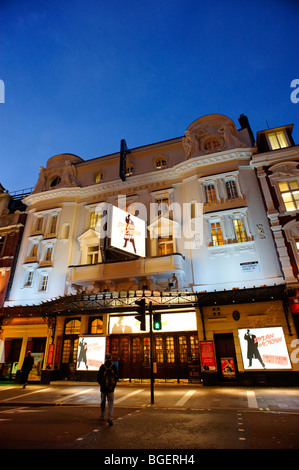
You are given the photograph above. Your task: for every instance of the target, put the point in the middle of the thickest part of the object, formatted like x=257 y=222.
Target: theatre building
x=179 y=225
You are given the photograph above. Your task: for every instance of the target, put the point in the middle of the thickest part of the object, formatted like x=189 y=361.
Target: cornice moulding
x=140 y=180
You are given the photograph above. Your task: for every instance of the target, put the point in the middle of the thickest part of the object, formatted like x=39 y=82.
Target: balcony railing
x=127 y=269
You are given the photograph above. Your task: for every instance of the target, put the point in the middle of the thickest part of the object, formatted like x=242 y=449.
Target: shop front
x=249 y=339
x=17 y=338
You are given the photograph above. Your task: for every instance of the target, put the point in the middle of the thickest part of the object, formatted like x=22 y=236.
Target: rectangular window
x=290 y=194
x=49 y=252
x=44 y=282
x=39 y=224
x=93 y=254
x=163 y=205
x=29 y=279
x=240 y=231
x=277 y=140
x=34 y=250
x=210 y=192
x=217 y=238
x=165 y=245
x=231 y=189
x=95 y=217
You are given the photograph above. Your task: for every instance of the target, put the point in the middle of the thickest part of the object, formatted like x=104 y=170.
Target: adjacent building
x=182 y=224
x=12 y=221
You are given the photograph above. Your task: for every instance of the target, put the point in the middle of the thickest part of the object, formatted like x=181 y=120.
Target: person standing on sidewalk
x=107 y=379
x=26 y=368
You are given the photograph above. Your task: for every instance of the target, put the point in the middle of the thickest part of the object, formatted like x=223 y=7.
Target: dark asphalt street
x=182 y=418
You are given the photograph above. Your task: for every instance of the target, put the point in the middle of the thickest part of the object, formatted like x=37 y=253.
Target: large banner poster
x=264 y=348
x=170 y=322
x=91 y=353
x=127 y=232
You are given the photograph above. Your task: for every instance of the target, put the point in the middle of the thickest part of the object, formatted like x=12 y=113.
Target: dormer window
x=277 y=140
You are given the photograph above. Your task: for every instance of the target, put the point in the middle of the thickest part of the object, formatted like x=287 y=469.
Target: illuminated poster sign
x=91 y=353
x=127 y=232
x=36 y=371
x=208 y=363
x=170 y=322
x=264 y=348
x=228 y=367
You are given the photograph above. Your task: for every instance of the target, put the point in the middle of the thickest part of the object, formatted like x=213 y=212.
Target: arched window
x=96 y=326
x=72 y=327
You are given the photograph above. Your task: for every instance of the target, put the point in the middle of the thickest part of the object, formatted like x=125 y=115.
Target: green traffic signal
x=157 y=321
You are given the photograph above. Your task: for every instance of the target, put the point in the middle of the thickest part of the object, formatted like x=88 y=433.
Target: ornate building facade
x=180 y=223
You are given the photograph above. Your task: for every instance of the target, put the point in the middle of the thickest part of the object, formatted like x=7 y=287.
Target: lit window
x=160 y=163
x=210 y=192
x=129 y=169
x=95 y=217
x=240 y=230
x=165 y=245
x=290 y=194
x=96 y=326
x=217 y=237
x=98 y=177
x=277 y=140
x=93 y=254
x=72 y=327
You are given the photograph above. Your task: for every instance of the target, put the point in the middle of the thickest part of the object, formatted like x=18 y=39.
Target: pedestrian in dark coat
x=26 y=368
x=107 y=379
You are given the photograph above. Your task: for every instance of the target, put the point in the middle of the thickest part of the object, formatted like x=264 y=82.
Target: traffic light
x=157 y=321
x=141 y=313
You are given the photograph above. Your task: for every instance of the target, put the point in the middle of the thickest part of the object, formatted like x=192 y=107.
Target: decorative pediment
x=163 y=226
x=89 y=237
x=284 y=170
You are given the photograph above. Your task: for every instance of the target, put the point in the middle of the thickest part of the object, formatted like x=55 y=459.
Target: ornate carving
x=211 y=134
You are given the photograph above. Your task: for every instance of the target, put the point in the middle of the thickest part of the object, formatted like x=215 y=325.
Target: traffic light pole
x=152 y=352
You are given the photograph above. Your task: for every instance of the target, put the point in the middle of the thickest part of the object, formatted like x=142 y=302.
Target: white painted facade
x=209 y=166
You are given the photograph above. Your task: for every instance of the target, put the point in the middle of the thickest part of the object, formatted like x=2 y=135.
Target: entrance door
x=172 y=352
x=225 y=356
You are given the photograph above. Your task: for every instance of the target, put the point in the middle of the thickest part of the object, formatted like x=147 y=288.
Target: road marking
x=186 y=397
x=251 y=398
x=74 y=395
x=119 y=400
x=23 y=409
x=25 y=395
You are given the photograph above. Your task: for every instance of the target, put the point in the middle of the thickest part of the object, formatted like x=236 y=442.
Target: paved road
x=182 y=417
